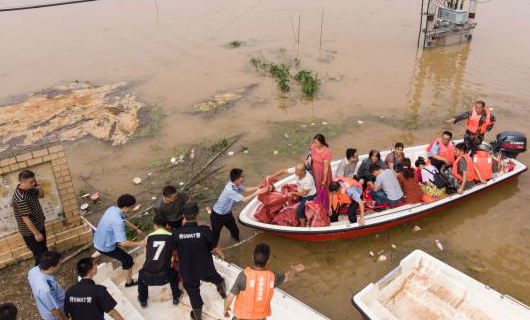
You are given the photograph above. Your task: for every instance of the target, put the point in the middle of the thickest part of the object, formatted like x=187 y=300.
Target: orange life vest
x=255 y=301
x=341 y=197
x=484 y=164
x=471 y=175
x=472 y=124
x=447 y=152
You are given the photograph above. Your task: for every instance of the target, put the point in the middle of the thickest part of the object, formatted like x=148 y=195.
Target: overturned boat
x=423 y=287
x=510 y=144
x=160 y=305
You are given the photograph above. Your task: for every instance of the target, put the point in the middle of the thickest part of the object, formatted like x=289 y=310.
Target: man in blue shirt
x=48 y=294
x=221 y=214
x=111 y=232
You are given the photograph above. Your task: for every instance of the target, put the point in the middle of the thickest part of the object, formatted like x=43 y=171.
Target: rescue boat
x=423 y=287
x=160 y=306
x=509 y=143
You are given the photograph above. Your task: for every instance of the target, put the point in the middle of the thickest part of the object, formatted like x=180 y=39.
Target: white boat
x=378 y=221
x=160 y=305
x=423 y=287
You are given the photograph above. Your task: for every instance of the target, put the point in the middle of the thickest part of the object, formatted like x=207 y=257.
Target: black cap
x=191 y=210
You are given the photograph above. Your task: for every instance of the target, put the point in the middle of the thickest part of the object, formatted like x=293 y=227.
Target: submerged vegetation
x=282 y=74
x=235 y=43
x=149 y=122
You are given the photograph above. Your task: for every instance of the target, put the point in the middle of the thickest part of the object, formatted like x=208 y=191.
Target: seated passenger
x=348 y=166
x=464 y=170
x=365 y=170
x=306 y=188
x=394 y=160
x=386 y=189
x=441 y=151
x=346 y=192
x=427 y=179
x=408 y=181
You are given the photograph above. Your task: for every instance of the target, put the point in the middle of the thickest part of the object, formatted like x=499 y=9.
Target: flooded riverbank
x=368 y=70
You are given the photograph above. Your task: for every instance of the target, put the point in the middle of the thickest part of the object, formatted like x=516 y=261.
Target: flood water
x=176 y=53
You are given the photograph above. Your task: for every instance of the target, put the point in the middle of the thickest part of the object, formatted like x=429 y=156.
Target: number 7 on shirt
x=160 y=246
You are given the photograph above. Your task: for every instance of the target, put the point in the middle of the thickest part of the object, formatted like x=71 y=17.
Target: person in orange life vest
x=464 y=170
x=254 y=287
x=479 y=121
x=441 y=151
x=346 y=192
x=306 y=188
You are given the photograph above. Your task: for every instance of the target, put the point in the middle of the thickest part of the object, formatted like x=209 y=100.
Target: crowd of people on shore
x=178 y=237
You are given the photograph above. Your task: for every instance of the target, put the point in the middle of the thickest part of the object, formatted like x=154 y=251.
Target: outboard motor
x=510 y=143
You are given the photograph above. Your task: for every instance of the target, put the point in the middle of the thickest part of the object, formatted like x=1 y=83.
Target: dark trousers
x=437 y=163
x=119 y=254
x=352 y=212
x=227 y=220
x=146 y=279
x=380 y=198
x=37 y=248
x=193 y=288
x=175 y=224
x=300 y=211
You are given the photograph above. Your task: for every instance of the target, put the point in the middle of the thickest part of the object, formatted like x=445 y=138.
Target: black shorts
x=120 y=255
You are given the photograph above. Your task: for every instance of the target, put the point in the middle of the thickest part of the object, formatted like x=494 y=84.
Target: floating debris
x=137 y=207
x=245 y=151
x=137 y=180
x=324 y=123
x=84 y=206
x=205 y=188
x=359 y=121
x=416 y=229
x=192 y=154
x=381 y=117
x=439 y=245
x=312 y=123
x=371 y=253
x=381 y=258
x=149 y=174
x=230 y=153
x=181 y=183
x=153 y=198
x=394 y=246
x=221 y=100
x=173 y=160
x=380 y=252
x=275 y=152
x=286 y=135
x=303 y=126
x=85 y=195
x=95 y=196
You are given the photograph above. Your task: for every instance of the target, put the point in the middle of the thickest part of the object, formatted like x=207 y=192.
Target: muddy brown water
x=369 y=68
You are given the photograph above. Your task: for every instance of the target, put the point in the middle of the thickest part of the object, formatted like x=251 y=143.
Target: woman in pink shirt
x=321 y=162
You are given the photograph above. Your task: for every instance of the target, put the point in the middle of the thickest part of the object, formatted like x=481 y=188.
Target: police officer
x=194 y=246
x=86 y=300
x=157 y=269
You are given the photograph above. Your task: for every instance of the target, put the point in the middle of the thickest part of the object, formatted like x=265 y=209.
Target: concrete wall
x=65 y=230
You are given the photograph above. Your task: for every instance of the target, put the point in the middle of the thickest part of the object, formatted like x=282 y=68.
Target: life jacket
x=471 y=175
x=341 y=197
x=447 y=152
x=483 y=162
x=472 y=124
x=255 y=301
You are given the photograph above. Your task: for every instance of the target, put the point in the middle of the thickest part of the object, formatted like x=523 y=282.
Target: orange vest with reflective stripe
x=447 y=152
x=471 y=175
x=255 y=301
x=341 y=197
x=484 y=164
x=472 y=124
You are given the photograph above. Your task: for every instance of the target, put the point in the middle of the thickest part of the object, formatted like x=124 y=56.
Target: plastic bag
x=287 y=216
x=290 y=187
x=322 y=197
x=263 y=214
x=273 y=201
x=316 y=214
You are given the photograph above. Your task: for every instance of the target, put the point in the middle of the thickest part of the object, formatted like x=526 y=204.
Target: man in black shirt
x=86 y=300
x=194 y=246
x=157 y=270
x=170 y=206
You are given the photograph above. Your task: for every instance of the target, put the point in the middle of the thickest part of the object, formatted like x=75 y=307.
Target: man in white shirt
x=306 y=188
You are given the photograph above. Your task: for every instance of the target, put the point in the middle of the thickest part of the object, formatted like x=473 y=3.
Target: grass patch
x=308 y=82
x=149 y=122
x=235 y=44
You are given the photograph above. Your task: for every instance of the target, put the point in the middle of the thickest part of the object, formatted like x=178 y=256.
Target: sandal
x=131 y=284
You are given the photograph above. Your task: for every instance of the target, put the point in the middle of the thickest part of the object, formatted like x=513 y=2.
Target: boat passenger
x=170 y=206
x=427 y=179
x=8 y=311
x=48 y=293
x=111 y=232
x=385 y=189
x=409 y=183
x=348 y=166
x=221 y=215
x=253 y=302
x=346 y=192
x=86 y=300
x=194 y=245
x=321 y=162
x=464 y=171
x=306 y=188
x=157 y=270
x=441 y=151
x=394 y=160
x=479 y=121
x=365 y=170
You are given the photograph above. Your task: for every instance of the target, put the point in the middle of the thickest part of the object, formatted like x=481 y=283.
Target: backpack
x=439 y=179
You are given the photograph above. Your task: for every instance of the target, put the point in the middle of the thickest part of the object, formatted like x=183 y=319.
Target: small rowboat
x=377 y=221
x=423 y=287
x=160 y=306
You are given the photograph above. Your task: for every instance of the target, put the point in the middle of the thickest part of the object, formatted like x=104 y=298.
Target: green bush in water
x=308 y=82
